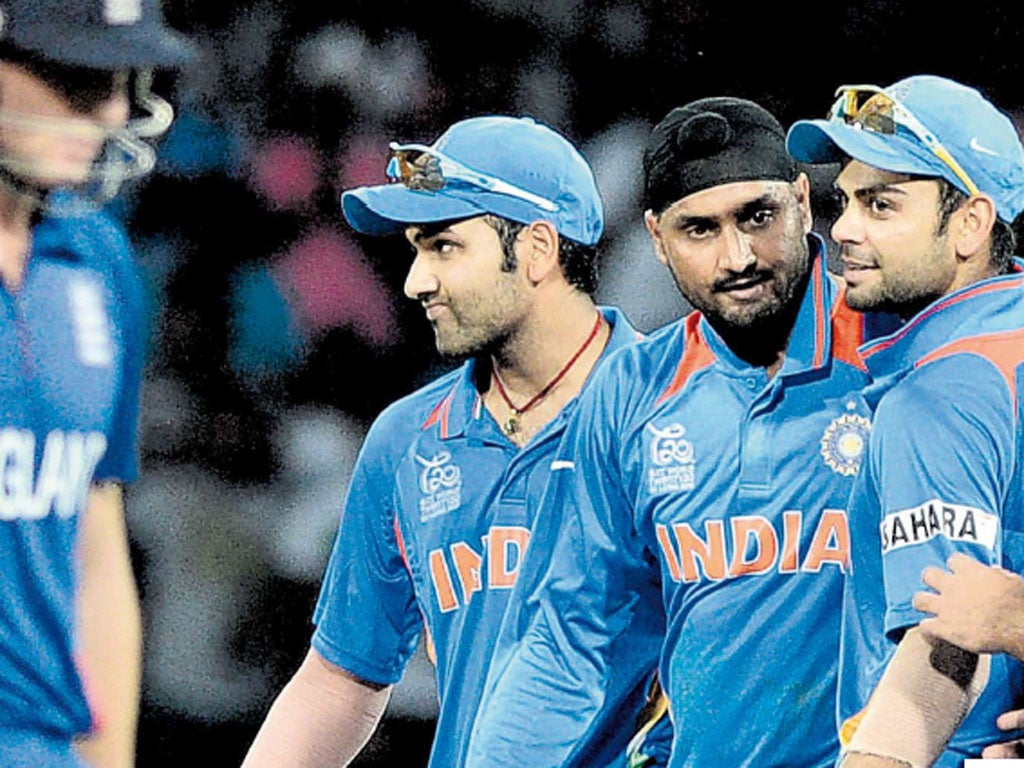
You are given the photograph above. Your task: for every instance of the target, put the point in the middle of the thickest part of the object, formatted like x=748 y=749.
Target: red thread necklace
x=512 y=424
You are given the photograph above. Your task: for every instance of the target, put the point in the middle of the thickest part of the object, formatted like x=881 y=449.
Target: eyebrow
x=875 y=189
x=741 y=212
x=748 y=209
x=686 y=222
x=428 y=231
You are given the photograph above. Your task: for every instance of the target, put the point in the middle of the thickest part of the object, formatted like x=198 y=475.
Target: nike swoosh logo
x=981 y=148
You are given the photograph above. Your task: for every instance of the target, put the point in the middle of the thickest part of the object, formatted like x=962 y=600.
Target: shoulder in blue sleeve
x=366 y=616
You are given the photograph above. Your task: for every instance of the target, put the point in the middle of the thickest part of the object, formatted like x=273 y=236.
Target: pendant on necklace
x=512 y=424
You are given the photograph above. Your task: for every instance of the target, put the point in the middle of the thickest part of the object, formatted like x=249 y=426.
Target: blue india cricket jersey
x=700 y=502
x=435 y=526
x=70 y=367
x=942 y=475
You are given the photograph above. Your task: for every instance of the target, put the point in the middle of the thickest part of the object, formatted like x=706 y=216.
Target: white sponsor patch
x=937 y=518
x=122 y=11
x=562 y=464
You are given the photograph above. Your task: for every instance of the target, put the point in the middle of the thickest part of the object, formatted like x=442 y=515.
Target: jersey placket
x=756 y=434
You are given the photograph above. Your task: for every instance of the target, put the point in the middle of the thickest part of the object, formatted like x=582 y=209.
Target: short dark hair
x=578 y=261
x=1004 y=241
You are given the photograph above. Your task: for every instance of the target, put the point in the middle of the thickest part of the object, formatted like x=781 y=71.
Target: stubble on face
x=481 y=321
x=479 y=297
x=895 y=256
x=740 y=301
x=782 y=285
x=903 y=291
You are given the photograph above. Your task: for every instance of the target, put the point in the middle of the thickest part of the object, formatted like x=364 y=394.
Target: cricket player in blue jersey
x=70 y=360
x=698 y=507
x=503 y=215
x=932 y=180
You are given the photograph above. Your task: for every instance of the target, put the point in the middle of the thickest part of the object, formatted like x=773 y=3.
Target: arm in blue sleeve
x=367 y=617
x=121 y=460
x=585 y=622
x=945 y=448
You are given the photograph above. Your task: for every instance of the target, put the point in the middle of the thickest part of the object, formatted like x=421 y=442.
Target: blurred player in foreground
x=699 y=508
x=503 y=216
x=933 y=179
x=71 y=72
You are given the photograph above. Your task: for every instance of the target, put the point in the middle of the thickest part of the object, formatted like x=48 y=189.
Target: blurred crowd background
x=276 y=333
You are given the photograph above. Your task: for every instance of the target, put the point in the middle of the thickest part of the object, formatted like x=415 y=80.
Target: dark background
x=277 y=334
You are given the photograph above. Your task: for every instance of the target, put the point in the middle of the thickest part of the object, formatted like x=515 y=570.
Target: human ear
x=540 y=250
x=654 y=230
x=972 y=225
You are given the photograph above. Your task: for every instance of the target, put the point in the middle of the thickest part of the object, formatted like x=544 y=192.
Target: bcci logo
x=441 y=485
x=673 y=460
x=844 y=441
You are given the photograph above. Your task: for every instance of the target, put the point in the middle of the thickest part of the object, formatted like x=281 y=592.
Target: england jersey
x=942 y=475
x=697 y=521
x=70 y=367
x=435 y=526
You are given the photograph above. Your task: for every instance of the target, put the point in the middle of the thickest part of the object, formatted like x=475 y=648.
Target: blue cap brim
x=826 y=141
x=131 y=46
x=390 y=208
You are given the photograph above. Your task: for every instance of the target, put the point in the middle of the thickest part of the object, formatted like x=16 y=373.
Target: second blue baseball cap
x=513 y=167
x=100 y=34
x=978 y=136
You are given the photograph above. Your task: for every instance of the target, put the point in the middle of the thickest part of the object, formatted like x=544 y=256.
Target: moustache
x=846 y=254
x=746 y=279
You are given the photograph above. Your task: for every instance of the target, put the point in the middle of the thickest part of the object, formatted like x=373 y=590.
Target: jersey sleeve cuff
x=361 y=668
x=901 y=618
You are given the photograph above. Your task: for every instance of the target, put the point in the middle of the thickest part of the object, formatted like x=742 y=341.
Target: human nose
x=847 y=228
x=738 y=254
x=421 y=280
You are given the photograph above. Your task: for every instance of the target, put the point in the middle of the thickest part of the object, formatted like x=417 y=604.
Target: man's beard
x=756 y=334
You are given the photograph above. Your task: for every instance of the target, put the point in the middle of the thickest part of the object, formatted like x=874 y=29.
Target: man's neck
x=546 y=340
x=552 y=352
x=970 y=272
x=16 y=214
x=764 y=343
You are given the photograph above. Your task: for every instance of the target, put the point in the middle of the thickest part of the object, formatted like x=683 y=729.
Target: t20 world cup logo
x=438 y=473
x=669 y=447
x=672 y=458
x=441 y=485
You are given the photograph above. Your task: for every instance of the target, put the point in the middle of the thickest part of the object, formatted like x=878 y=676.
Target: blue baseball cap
x=513 y=167
x=977 y=135
x=99 y=34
